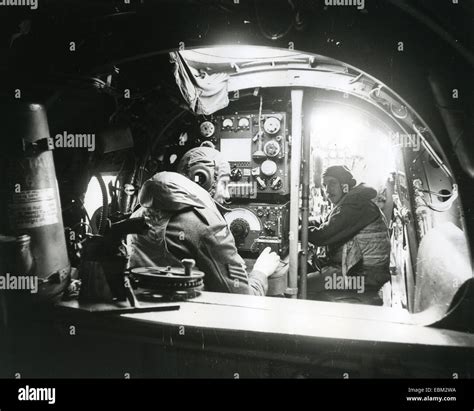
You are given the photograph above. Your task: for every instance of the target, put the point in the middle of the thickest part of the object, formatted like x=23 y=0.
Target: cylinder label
x=34 y=208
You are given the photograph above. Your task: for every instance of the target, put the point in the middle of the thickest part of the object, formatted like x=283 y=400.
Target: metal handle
x=188 y=264
x=132 y=299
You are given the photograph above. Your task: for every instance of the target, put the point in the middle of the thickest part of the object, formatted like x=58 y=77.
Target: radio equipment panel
x=258 y=152
x=256 y=226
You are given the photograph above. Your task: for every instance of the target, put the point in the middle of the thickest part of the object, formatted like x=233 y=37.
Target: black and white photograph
x=237 y=190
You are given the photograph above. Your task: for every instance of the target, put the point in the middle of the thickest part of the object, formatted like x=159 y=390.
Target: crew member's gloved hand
x=315 y=221
x=267 y=262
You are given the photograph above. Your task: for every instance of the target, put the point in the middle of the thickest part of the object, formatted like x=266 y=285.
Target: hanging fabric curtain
x=204 y=93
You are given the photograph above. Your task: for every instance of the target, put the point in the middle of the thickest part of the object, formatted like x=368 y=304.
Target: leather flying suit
x=185 y=222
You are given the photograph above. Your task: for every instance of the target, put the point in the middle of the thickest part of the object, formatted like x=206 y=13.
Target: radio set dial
x=244 y=123
x=207 y=129
x=257 y=226
x=272 y=125
x=271 y=148
x=227 y=123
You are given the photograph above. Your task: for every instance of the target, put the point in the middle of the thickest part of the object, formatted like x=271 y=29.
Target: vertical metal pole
x=306 y=164
x=296 y=129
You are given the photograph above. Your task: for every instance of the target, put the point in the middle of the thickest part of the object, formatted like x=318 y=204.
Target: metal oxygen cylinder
x=30 y=198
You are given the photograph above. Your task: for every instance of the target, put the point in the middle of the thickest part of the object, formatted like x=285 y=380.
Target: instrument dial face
x=207 y=129
x=227 y=123
x=244 y=214
x=244 y=122
x=272 y=125
x=272 y=148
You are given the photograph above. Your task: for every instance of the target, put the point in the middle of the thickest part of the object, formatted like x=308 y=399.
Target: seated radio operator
x=183 y=213
x=358 y=246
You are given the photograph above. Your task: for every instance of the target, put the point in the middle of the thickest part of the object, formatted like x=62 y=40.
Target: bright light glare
x=335 y=128
x=93 y=197
x=237 y=53
x=342 y=136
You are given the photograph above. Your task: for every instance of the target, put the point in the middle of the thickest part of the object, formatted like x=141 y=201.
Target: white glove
x=267 y=262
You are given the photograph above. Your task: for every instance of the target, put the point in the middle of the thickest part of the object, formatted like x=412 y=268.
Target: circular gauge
x=227 y=123
x=207 y=129
x=268 y=168
x=271 y=148
x=244 y=122
x=272 y=125
x=243 y=214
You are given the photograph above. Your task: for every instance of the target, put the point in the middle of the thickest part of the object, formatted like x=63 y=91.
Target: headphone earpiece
x=201 y=176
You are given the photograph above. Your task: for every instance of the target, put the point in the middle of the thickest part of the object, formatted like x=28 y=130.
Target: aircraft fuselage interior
x=349 y=168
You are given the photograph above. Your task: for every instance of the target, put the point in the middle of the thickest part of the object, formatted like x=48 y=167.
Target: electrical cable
x=104 y=212
x=447 y=205
x=435 y=193
x=82 y=223
x=374 y=94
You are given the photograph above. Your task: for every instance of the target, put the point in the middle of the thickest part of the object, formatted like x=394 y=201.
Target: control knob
x=270 y=227
x=271 y=148
x=261 y=183
x=235 y=174
x=276 y=183
x=272 y=125
x=240 y=229
x=268 y=168
x=207 y=129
